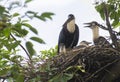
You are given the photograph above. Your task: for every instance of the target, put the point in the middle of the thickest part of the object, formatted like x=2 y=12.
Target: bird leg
x=62 y=49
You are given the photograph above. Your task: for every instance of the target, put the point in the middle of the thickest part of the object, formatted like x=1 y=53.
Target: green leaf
x=47 y=15
x=63 y=77
x=110 y=8
x=27 y=1
x=49 y=53
x=20 y=78
x=112 y=15
x=40 y=17
x=20 y=32
x=37 y=39
x=118 y=25
x=30 y=12
x=30 y=49
x=24 y=32
x=15 y=44
x=12 y=46
x=6 y=32
x=30 y=27
x=115 y=23
x=16 y=14
x=99 y=9
x=2 y=9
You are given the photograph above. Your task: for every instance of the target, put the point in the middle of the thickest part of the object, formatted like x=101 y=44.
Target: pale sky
x=83 y=10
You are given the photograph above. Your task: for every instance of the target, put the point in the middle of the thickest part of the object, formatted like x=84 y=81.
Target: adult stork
x=69 y=35
x=98 y=40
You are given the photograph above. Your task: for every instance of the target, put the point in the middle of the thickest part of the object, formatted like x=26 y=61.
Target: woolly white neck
x=71 y=26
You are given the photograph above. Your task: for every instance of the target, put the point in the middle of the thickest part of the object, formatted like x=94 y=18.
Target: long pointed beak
x=88 y=25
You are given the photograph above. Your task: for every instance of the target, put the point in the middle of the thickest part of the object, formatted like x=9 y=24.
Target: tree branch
x=105 y=28
x=102 y=68
x=112 y=35
x=22 y=47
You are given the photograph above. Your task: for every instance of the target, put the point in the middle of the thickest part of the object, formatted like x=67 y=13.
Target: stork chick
x=84 y=44
x=98 y=40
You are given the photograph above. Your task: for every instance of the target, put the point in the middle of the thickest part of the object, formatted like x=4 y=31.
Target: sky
x=83 y=10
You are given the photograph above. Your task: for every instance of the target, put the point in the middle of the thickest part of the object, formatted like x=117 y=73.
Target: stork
x=69 y=35
x=84 y=44
x=98 y=40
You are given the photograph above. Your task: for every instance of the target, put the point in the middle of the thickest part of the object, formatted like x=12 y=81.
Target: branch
x=22 y=47
x=112 y=35
x=105 y=28
x=102 y=68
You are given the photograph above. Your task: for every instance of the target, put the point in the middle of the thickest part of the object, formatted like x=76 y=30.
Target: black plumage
x=69 y=35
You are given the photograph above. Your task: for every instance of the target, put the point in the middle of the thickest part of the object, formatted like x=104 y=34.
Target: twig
x=92 y=75
x=22 y=47
x=105 y=28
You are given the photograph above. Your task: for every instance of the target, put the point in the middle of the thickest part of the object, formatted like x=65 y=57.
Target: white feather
x=71 y=26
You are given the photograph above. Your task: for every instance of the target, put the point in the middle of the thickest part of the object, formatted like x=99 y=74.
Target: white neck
x=71 y=26
x=95 y=31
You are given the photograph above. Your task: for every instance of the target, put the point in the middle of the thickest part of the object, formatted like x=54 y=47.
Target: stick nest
x=97 y=62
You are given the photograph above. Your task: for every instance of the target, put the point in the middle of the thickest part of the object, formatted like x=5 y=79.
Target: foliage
x=13 y=28
x=113 y=7
x=62 y=77
x=49 y=53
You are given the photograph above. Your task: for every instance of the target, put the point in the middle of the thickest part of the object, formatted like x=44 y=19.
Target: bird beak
x=88 y=24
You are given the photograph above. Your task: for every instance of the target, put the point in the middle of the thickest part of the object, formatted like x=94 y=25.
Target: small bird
x=98 y=40
x=69 y=35
x=84 y=44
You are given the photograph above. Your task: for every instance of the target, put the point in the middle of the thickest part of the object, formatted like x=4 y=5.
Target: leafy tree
x=13 y=28
x=113 y=7
x=110 y=13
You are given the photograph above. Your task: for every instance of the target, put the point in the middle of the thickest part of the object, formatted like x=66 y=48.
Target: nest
x=99 y=63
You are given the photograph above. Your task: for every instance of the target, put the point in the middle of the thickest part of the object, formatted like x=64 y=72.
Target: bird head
x=92 y=24
x=85 y=42
x=71 y=17
x=70 y=23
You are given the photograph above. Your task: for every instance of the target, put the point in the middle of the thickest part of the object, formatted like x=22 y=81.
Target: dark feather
x=101 y=41
x=68 y=39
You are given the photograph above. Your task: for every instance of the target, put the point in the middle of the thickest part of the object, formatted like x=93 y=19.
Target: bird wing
x=61 y=38
x=101 y=41
x=76 y=36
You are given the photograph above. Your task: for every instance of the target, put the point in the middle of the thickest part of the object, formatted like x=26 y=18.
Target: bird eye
x=69 y=16
x=93 y=24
